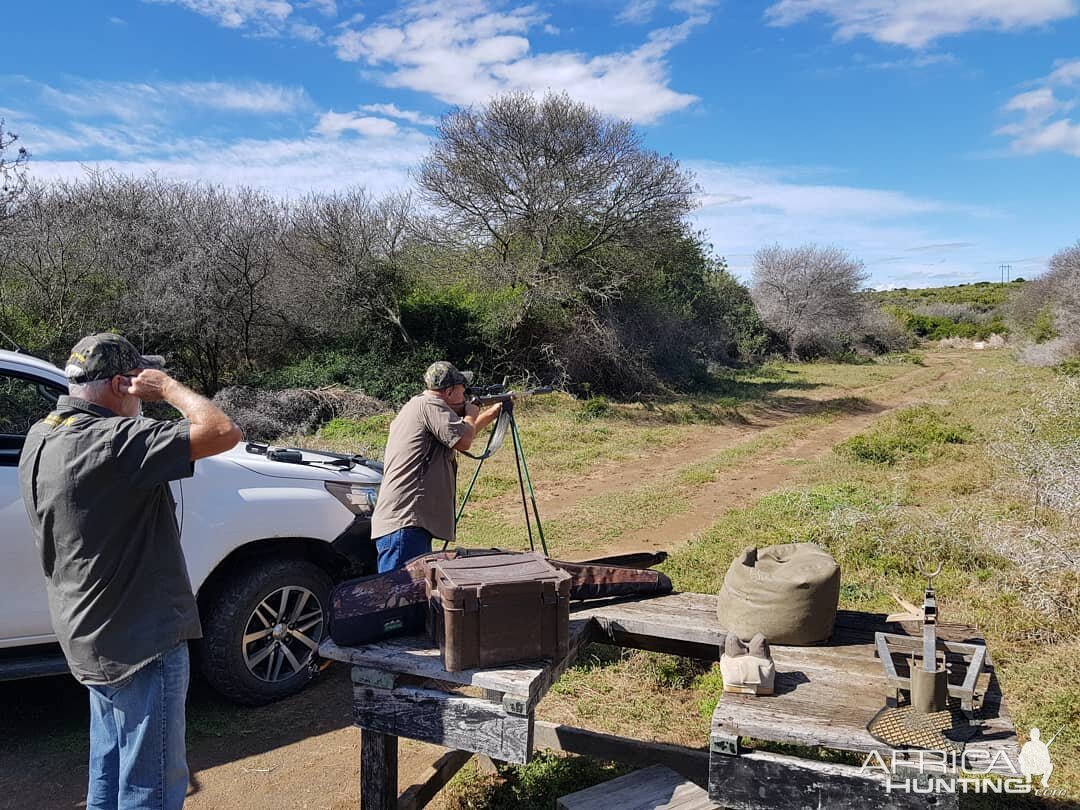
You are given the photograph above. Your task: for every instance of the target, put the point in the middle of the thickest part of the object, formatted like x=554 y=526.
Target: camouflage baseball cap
x=442 y=374
x=105 y=355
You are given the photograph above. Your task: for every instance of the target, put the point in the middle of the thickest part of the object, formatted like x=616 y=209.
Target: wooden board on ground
x=655 y=788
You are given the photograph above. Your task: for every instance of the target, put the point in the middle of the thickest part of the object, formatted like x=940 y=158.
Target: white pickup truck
x=264 y=540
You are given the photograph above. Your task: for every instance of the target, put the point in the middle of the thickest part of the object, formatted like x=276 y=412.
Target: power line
x=1006 y=272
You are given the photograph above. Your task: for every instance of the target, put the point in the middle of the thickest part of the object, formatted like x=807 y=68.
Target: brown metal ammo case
x=497 y=609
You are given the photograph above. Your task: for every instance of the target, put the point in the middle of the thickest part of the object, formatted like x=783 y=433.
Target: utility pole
x=1006 y=272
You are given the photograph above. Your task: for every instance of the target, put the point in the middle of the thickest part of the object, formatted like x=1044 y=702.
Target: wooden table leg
x=378 y=771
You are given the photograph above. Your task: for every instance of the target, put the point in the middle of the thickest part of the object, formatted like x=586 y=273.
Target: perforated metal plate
x=901 y=727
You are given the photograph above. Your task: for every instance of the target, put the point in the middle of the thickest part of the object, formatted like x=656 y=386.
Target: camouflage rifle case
x=381 y=606
x=498 y=609
x=373 y=608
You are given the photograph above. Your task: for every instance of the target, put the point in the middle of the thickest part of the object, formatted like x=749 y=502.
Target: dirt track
x=303 y=753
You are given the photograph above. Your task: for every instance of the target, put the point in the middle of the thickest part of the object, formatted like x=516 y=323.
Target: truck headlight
x=357 y=498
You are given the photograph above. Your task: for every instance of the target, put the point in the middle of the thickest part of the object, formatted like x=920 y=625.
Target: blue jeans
x=137 y=756
x=397 y=548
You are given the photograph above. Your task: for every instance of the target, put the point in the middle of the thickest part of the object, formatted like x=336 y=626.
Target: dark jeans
x=397 y=548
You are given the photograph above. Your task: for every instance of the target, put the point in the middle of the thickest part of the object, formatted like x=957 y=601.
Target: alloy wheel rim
x=282 y=634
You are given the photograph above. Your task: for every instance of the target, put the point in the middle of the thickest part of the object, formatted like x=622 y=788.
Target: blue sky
x=933 y=139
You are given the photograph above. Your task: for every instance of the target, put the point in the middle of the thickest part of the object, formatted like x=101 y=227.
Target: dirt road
x=303 y=753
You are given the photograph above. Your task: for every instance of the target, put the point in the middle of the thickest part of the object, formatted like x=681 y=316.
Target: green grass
x=915 y=432
x=367 y=436
x=941 y=492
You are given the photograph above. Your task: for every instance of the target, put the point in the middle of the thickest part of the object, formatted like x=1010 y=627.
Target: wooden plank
x=758 y=780
x=653 y=788
x=676 y=617
x=378 y=771
x=433 y=780
x=452 y=721
x=612 y=634
x=414 y=655
x=688 y=762
x=374 y=677
x=691 y=617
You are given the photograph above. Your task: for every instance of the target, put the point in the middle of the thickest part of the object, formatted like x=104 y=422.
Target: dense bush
x=1048 y=312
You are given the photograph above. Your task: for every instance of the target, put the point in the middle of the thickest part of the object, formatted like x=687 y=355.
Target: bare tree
x=219 y=296
x=12 y=172
x=51 y=265
x=808 y=295
x=350 y=248
x=548 y=184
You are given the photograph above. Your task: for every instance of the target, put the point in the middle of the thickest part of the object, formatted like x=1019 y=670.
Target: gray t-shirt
x=419 y=486
x=96 y=488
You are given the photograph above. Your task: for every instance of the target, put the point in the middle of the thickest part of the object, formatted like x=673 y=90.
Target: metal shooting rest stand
x=928 y=682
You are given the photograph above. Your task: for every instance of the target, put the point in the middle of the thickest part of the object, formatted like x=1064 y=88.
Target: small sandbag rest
x=788 y=593
x=747 y=669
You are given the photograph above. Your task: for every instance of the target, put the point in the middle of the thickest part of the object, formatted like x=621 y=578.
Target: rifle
x=484 y=395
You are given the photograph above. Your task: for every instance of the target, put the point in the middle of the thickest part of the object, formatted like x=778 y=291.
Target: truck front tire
x=262 y=628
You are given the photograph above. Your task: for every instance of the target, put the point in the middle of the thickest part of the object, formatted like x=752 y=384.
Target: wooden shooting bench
x=825 y=696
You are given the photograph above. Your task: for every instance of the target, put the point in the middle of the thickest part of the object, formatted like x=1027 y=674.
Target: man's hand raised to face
x=212 y=431
x=148 y=385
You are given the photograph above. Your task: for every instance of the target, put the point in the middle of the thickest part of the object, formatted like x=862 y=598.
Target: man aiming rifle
x=419 y=487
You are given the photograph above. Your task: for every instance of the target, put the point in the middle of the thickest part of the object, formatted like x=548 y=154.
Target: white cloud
x=248 y=97
x=1066 y=73
x=279 y=166
x=1043 y=125
x=117 y=20
x=918 y=61
x=917 y=23
x=1039 y=104
x=637 y=11
x=464 y=53
x=263 y=15
x=308 y=33
x=327 y=7
x=899 y=236
x=334 y=124
x=145 y=102
x=355 y=19
x=393 y=111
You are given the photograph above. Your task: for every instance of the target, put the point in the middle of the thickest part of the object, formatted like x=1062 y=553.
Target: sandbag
x=789 y=593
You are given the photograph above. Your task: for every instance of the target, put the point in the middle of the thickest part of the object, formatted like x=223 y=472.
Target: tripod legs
x=524 y=481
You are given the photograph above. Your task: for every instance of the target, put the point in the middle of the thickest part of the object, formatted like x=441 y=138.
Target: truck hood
x=316 y=466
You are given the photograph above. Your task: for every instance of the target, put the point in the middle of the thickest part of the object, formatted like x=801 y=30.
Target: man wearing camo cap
x=419 y=487
x=94 y=476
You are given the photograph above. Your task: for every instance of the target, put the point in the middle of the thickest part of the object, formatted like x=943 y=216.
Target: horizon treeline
x=542 y=242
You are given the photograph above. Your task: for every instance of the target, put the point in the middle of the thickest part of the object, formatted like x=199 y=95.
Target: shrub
x=594 y=408
x=374 y=364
